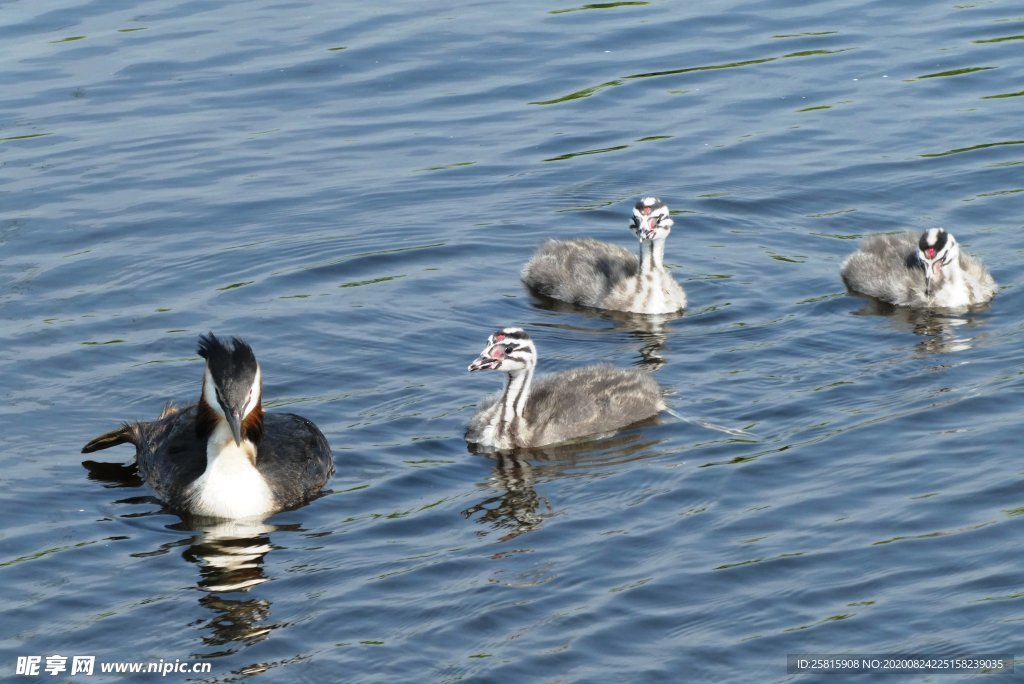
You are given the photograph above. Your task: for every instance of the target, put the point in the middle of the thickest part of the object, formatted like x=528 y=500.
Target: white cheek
x=254 y=392
x=210 y=393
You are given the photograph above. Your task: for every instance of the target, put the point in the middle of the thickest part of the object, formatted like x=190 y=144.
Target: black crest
x=232 y=362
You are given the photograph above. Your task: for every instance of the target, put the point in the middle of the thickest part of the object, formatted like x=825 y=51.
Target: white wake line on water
x=707 y=424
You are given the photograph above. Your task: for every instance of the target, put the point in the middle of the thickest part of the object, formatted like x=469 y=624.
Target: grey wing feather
x=884 y=267
x=588 y=401
x=582 y=272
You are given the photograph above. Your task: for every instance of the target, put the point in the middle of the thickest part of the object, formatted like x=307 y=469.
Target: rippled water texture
x=353 y=188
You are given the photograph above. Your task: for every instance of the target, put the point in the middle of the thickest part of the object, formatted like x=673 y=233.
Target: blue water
x=353 y=189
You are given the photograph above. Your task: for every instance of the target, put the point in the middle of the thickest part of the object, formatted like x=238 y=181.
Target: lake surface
x=353 y=188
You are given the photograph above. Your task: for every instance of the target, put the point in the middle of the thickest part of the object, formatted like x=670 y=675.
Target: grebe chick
x=223 y=457
x=596 y=274
x=556 y=408
x=920 y=270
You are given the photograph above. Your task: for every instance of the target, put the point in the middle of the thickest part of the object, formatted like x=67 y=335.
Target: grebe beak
x=484 y=362
x=648 y=226
x=234 y=418
x=931 y=269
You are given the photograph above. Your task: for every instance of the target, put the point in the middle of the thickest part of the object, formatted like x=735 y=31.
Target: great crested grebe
x=596 y=274
x=223 y=457
x=919 y=270
x=555 y=408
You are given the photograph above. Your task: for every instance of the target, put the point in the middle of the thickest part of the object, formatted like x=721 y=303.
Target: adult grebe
x=223 y=457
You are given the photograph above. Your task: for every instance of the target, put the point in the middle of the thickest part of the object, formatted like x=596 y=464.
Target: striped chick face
x=651 y=219
x=936 y=250
x=510 y=350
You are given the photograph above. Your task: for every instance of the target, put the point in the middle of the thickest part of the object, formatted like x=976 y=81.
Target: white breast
x=489 y=433
x=230 y=487
x=952 y=298
x=652 y=296
x=490 y=436
x=487 y=430
x=648 y=293
x=954 y=292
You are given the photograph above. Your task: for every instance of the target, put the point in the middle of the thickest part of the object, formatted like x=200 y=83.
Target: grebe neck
x=652 y=255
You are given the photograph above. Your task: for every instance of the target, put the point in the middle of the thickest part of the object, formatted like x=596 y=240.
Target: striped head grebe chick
x=224 y=457
x=596 y=274
x=555 y=408
x=918 y=270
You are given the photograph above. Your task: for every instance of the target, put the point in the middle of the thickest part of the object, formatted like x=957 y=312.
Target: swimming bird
x=556 y=408
x=224 y=457
x=920 y=270
x=592 y=273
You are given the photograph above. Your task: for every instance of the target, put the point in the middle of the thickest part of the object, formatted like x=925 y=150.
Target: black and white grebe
x=223 y=457
x=596 y=274
x=555 y=408
x=918 y=270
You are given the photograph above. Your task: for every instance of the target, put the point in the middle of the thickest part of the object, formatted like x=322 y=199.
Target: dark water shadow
x=649 y=330
x=113 y=475
x=943 y=330
x=513 y=506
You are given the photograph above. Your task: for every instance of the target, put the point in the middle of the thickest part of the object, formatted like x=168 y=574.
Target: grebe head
x=937 y=250
x=232 y=381
x=510 y=350
x=651 y=219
